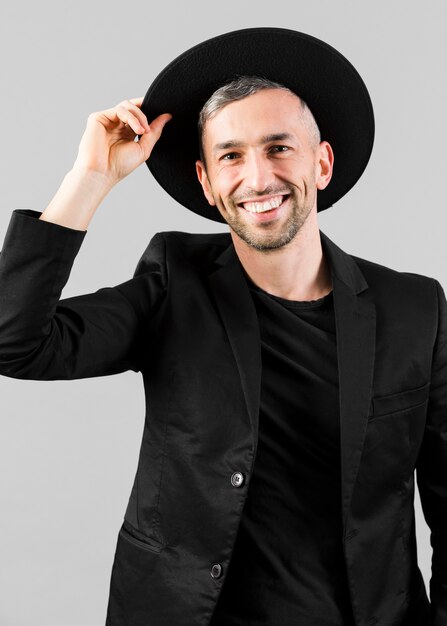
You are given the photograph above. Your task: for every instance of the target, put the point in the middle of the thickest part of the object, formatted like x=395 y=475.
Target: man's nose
x=258 y=173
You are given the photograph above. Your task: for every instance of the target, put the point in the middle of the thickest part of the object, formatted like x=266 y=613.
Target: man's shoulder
x=410 y=292
x=380 y=278
x=375 y=272
x=410 y=297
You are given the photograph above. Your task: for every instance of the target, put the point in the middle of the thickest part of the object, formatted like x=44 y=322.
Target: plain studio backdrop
x=69 y=449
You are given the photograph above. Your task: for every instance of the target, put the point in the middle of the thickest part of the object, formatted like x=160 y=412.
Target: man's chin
x=266 y=230
x=264 y=241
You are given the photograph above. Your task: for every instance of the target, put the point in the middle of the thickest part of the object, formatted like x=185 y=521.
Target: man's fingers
x=129 y=113
x=158 y=123
x=126 y=112
x=137 y=101
x=134 y=108
x=149 y=139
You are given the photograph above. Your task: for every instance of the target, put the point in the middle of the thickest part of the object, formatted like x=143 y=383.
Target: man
x=292 y=389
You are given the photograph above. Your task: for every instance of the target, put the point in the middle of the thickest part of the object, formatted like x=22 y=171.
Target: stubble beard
x=264 y=241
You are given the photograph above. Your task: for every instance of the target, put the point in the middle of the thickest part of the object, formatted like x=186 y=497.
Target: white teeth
x=260 y=207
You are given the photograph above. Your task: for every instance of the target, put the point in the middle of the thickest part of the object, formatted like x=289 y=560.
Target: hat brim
x=314 y=70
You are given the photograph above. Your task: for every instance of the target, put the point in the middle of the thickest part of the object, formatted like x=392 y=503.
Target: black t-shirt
x=287 y=566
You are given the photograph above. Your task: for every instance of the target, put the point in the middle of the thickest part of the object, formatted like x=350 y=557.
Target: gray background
x=69 y=449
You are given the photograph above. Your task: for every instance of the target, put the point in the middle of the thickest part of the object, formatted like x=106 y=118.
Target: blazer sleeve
x=432 y=467
x=43 y=337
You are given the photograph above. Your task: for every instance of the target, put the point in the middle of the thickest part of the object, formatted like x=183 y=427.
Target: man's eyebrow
x=232 y=143
x=227 y=145
x=275 y=137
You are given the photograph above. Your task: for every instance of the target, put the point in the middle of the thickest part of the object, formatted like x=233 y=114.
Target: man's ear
x=203 y=180
x=325 y=164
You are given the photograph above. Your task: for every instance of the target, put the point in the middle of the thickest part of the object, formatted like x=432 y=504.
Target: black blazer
x=186 y=321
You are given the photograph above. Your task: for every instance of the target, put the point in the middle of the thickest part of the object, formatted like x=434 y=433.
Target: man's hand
x=108 y=146
x=107 y=153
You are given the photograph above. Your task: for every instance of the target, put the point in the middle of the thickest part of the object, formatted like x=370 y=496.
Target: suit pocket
x=138 y=539
x=399 y=401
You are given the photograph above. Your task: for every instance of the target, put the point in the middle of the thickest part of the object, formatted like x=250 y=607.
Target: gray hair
x=242 y=87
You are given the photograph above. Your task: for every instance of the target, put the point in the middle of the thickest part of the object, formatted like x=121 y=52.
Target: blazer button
x=237 y=479
x=216 y=570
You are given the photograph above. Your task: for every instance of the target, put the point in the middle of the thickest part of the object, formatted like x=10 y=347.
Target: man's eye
x=279 y=148
x=229 y=156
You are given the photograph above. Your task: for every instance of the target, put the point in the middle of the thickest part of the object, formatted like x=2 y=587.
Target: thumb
x=150 y=137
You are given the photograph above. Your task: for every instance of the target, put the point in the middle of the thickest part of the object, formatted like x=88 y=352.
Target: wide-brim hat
x=314 y=70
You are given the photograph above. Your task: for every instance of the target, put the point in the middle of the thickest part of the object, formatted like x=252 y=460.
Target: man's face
x=263 y=168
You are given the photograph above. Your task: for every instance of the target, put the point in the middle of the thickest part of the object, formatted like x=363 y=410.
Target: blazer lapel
x=355 y=319
x=239 y=316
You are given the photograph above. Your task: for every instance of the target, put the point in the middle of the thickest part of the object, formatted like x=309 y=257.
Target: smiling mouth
x=272 y=203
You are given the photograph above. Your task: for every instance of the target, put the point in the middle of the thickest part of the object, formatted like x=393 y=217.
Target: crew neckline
x=292 y=303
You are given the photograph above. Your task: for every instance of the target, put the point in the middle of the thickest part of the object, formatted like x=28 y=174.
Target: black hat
x=314 y=70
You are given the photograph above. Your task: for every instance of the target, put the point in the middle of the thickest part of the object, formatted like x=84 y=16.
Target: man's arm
x=41 y=336
x=45 y=338
x=432 y=468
